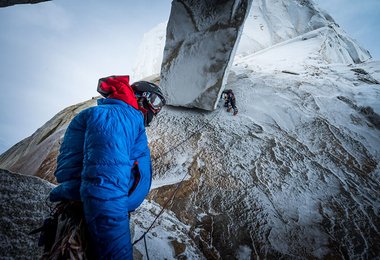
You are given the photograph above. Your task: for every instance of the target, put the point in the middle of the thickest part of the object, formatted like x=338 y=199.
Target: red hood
x=118 y=87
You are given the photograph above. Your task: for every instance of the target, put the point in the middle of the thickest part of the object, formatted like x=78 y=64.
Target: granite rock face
x=23 y=208
x=201 y=41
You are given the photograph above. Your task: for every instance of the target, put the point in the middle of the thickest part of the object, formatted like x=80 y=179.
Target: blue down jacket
x=100 y=148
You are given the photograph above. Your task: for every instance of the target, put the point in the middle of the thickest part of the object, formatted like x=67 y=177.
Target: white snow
x=150 y=53
x=166 y=229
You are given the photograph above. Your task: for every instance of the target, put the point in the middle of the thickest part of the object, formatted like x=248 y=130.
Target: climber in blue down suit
x=104 y=162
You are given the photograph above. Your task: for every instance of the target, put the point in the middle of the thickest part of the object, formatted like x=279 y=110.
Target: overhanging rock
x=201 y=40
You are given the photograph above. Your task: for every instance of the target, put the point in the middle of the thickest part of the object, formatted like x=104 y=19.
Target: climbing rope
x=158 y=215
x=186 y=139
x=178 y=184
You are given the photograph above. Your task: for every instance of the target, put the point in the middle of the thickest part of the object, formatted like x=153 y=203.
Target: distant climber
x=104 y=172
x=230 y=101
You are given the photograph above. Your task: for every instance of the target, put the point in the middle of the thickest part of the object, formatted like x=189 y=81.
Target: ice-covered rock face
x=23 y=208
x=295 y=173
x=269 y=23
x=272 y=21
x=200 y=43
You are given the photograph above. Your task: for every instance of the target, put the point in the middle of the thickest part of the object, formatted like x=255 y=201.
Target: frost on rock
x=340 y=48
x=272 y=21
x=200 y=43
x=169 y=238
x=295 y=174
x=22 y=209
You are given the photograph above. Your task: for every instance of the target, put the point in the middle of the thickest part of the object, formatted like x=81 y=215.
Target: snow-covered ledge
x=201 y=41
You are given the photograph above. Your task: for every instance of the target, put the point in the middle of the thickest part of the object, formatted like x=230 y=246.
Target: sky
x=53 y=53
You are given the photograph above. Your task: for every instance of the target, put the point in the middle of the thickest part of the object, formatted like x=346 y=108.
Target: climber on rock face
x=230 y=101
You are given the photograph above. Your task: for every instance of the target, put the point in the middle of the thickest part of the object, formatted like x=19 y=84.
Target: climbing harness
x=64 y=234
x=158 y=215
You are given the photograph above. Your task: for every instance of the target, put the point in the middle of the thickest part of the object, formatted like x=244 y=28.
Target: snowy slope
x=295 y=174
x=319 y=47
x=271 y=22
x=150 y=53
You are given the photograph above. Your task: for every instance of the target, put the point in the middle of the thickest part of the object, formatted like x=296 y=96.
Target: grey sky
x=53 y=53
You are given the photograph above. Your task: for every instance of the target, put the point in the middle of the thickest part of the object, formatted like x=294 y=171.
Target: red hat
x=117 y=87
